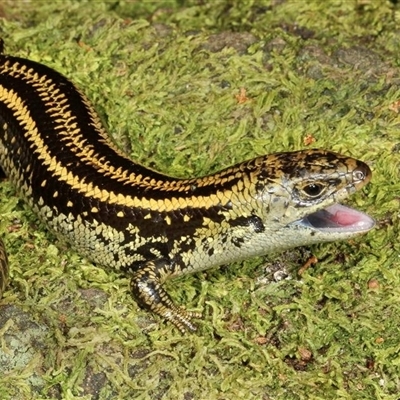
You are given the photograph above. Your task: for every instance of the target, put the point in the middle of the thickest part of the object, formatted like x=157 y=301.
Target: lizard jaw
x=338 y=218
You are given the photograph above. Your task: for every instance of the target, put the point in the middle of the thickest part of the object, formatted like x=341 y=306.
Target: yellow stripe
x=72 y=136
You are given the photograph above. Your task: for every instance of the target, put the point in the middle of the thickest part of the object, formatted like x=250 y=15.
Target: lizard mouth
x=338 y=218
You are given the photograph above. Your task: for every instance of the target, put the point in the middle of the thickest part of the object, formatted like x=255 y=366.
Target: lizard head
x=304 y=189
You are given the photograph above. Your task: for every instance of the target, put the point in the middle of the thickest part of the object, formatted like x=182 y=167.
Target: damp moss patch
x=188 y=88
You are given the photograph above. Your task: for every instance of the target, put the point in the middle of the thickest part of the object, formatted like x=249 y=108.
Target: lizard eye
x=313 y=189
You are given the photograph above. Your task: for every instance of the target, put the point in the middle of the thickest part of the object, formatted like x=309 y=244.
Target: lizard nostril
x=358 y=175
x=362 y=173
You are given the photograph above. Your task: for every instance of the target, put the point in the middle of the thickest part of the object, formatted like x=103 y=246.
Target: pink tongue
x=345 y=218
x=340 y=218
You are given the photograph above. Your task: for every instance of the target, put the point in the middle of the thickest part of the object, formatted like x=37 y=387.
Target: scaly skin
x=130 y=218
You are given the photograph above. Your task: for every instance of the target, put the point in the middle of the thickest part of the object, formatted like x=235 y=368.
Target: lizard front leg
x=146 y=286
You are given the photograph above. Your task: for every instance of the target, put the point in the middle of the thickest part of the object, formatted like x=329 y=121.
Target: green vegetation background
x=165 y=77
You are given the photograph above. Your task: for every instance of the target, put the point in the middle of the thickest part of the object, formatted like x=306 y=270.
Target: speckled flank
x=130 y=218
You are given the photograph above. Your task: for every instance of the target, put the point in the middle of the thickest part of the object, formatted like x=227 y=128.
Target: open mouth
x=338 y=218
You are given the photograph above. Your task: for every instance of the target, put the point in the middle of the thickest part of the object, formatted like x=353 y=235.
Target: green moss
x=164 y=77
